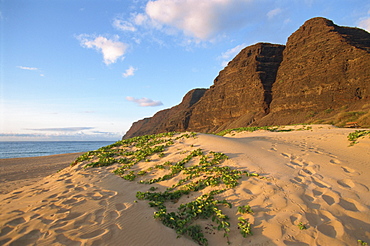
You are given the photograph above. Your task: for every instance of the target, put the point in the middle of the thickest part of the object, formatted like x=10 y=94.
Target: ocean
x=44 y=148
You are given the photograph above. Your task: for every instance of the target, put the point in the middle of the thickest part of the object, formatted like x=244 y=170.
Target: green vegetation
x=203 y=207
x=244 y=226
x=266 y=128
x=200 y=179
x=311 y=114
x=354 y=136
x=342 y=118
x=248 y=129
x=245 y=209
x=329 y=110
x=360 y=242
x=302 y=226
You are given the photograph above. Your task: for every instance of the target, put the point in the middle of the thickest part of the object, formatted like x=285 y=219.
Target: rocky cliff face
x=241 y=92
x=168 y=120
x=322 y=73
x=325 y=67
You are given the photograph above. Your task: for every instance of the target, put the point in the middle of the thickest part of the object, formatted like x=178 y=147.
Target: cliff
x=241 y=92
x=168 y=120
x=322 y=75
x=326 y=69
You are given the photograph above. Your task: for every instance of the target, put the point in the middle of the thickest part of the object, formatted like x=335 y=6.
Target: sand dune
x=308 y=177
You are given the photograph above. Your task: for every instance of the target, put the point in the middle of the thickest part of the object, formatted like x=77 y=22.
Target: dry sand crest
x=310 y=177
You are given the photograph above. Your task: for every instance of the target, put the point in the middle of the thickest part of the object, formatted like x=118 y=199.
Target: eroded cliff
x=322 y=75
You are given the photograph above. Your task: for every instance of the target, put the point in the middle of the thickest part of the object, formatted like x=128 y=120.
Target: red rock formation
x=323 y=68
x=168 y=120
x=241 y=92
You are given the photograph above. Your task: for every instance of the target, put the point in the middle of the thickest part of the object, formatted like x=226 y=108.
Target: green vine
x=195 y=172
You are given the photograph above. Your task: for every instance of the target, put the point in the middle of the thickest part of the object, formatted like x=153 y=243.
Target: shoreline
x=18 y=172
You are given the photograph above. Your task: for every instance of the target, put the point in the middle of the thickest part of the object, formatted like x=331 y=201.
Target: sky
x=87 y=69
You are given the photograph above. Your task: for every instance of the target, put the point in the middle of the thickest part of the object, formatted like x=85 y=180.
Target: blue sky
x=87 y=69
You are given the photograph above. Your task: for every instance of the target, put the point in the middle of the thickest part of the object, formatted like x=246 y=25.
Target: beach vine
x=354 y=136
x=266 y=128
x=200 y=173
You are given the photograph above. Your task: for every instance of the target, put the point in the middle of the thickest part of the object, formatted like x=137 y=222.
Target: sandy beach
x=18 y=172
x=312 y=189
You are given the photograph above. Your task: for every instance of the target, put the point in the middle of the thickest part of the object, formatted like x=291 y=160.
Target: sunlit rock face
x=323 y=68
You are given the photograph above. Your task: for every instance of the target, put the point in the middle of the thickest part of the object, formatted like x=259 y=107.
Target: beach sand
x=309 y=176
x=18 y=172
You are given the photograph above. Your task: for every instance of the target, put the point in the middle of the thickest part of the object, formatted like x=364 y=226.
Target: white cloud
x=63 y=129
x=62 y=136
x=231 y=53
x=272 y=13
x=129 y=72
x=144 y=102
x=140 y=19
x=365 y=24
x=202 y=20
x=111 y=49
x=124 y=25
x=27 y=68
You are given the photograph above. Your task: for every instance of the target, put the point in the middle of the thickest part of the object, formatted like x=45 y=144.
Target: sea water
x=43 y=148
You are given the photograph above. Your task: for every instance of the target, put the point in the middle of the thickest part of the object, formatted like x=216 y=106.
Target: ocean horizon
x=20 y=149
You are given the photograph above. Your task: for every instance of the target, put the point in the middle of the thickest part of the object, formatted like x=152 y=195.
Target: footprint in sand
x=46 y=221
x=28 y=239
x=306 y=172
x=298 y=179
x=16 y=192
x=80 y=221
x=101 y=194
x=120 y=206
x=320 y=183
x=334 y=161
x=16 y=221
x=73 y=216
x=52 y=196
x=349 y=170
x=350 y=184
x=67 y=175
x=297 y=163
x=346 y=183
x=65 y=240
x=103 y=203
x=111 y=215
x=286 y=155
x=328 y=229
x=328 y=199
x=348 y=205
x=16 y=212
x=99 y=215
x=69 y=201
x=34 y=216
x=5 y=230
x=316 y=193
x=58 y=223
x=309 y=200
x=93 y=234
